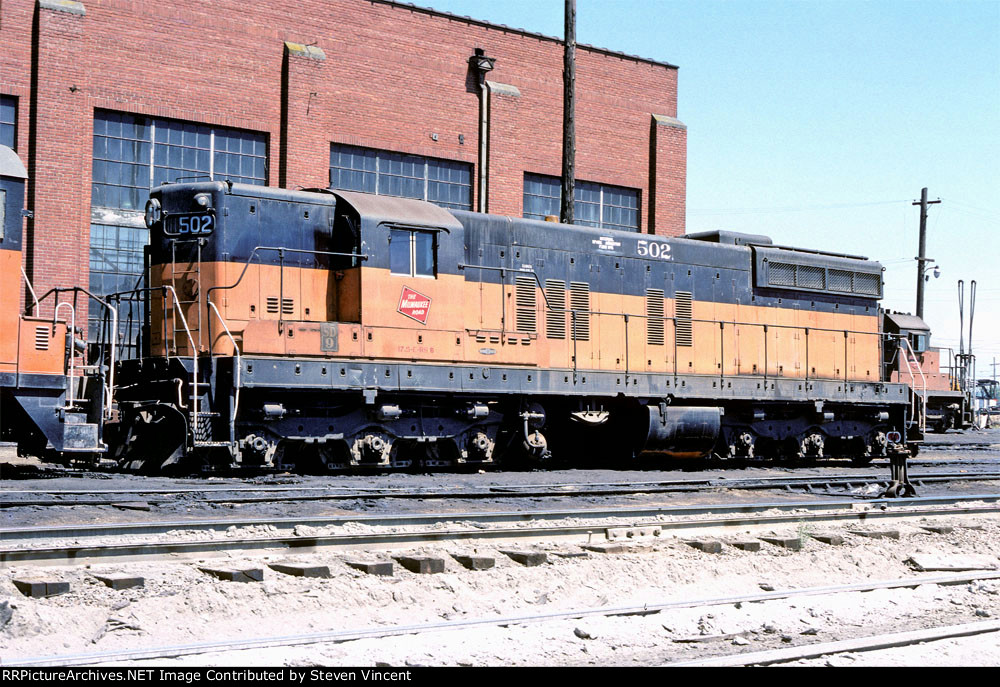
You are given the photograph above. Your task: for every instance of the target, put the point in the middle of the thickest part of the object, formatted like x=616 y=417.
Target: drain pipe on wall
x=482 y=65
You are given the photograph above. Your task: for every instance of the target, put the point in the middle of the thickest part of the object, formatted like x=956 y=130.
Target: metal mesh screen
x=781 y=274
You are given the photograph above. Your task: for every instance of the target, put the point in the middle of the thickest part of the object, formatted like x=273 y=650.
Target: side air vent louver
x=555 y=314
x=654 y=317
x=682 y=319
x=525 y=301
x=579 y=302
x=287 y=305
x=41 y=338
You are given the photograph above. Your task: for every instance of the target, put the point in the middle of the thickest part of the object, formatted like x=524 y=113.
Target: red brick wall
x=392 y=76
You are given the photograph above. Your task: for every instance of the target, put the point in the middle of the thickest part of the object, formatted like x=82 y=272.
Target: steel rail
x=578 y=533
x=340 y=636
x=481 y=517
x=860 y=644
x=810 y=484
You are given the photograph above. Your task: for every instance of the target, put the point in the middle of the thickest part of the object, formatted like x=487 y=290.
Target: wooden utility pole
x=569 y=97
x=921 y=256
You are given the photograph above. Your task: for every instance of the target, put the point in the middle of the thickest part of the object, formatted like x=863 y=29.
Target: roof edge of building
x=524 y=32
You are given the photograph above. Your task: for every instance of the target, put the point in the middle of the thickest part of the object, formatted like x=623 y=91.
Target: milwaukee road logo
x=414 y=305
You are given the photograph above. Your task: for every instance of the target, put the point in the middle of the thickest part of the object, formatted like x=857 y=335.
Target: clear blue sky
x=818 y=123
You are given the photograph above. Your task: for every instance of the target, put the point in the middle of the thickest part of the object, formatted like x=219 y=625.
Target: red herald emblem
x=414 y=305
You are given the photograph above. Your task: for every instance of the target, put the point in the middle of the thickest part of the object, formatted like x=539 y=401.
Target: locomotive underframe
x=348 y=414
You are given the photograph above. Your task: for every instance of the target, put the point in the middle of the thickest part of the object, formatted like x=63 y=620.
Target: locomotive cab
x=909 y=358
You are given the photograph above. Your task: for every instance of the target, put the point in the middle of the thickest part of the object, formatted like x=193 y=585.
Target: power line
x=802 y=208
x=973 y=207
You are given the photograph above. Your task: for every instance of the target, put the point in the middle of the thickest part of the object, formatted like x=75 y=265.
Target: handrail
x=27 y=282
x=573 y=312
x=71 y=350
x=194 y=358
x=905 y=345
x=280 y=249
x=644 y=316
x=238 y=368
x=56 y=290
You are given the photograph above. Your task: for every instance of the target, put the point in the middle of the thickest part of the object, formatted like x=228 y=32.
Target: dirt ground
x=182 y=605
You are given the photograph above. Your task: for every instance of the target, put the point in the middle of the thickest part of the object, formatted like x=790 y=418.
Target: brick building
x=103 y=99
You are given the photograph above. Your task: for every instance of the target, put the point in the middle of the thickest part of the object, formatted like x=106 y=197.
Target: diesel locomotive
x=326 y=330
x=331 y=330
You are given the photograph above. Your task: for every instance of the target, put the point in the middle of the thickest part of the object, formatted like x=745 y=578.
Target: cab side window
x=412 y=253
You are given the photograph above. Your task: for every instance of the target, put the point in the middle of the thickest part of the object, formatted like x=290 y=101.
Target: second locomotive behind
x=335 y=330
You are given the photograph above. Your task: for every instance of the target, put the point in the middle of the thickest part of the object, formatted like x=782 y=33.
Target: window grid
x=443 y=182
x=133 y=154
x=595 y=205
x=8 y=121
x=115 y=265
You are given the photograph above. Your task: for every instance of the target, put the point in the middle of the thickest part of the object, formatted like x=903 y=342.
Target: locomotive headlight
x=203 y=199
x=153 y=212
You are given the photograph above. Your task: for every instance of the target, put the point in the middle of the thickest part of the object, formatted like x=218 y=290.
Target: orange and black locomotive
x=334 y=330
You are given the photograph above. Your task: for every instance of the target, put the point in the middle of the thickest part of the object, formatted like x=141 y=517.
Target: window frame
x=165 y=137
x=411 y=242
x=603 y=204
x=377 y=164
x=12 y=100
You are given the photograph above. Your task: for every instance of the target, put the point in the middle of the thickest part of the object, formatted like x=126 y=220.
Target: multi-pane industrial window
x=411 y=253
x=116 y=266
x=8 y=121
x=132 y=154
x=442 y=182
x=595 y=205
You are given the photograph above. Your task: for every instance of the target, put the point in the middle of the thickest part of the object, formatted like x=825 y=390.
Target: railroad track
x=45 y=545
x=877 y=642
x=747 y=658
x=862 y=484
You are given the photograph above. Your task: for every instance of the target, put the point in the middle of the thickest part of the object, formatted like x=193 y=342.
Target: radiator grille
x=654 y=317
x=868 y=284
x=810 y=277
x=840 y=280
x=787 y=275
x=555 y=314
x=524 y=287
x=579 y=301
x=682 y=322
x=781 y=274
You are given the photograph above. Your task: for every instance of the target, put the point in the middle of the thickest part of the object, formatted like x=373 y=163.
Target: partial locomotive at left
x=325 y=330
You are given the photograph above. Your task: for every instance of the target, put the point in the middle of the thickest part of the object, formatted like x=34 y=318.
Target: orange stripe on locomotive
x=476 y=323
